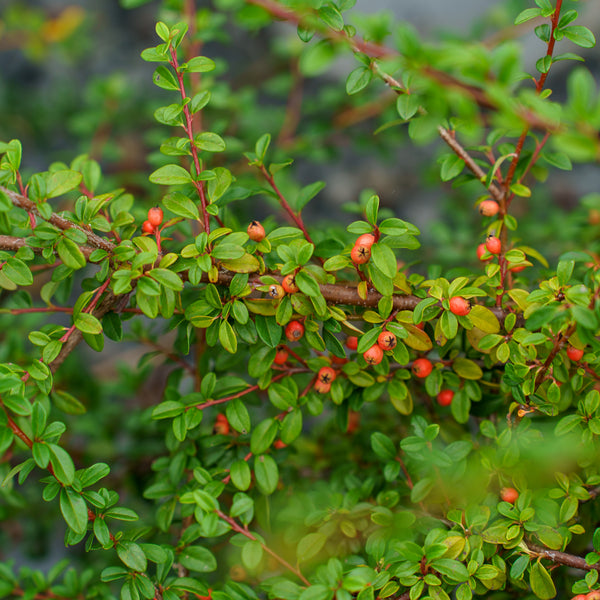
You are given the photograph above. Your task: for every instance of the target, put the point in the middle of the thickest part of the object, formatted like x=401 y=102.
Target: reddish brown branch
x=563 y=558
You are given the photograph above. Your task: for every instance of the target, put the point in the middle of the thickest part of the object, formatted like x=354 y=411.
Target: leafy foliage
x=258 y=449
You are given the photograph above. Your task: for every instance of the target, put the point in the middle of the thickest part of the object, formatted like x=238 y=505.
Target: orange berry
x=366 y=239
x=459 y=306
x=276 y=291
x=386 y=340
x=256 y=232
x=281 y=356
x=147 y=227
x=575 y=354
x=155 y=216
x=493 y=244
x=289 y=284
x=352 y=342
x=481 y=251
x=509 y=494
x=278 y=444
x=360 y=254
x=421 y=367
x=517 y=268
x=374 y=355
x=294 y=330
x=221 y=425
x=444 y=398
x=326 y=375
x=322 y=388
x=489 y=208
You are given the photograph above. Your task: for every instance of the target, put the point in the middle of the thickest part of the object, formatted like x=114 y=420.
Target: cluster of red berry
x=155 y=218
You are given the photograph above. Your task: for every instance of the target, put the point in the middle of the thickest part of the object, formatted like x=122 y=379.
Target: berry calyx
x=155 y=216
x=322 y=388
x=481 y=252
x=221 y=425
x=493 y=244
x=421 y=367
x=281 y=356
x=294 y=330
x=276 y=291
x=509 y=494
x=256 y=232
x=147 y=227
x=289 y=284
x=374 y=355
x=444 y=398
x=360 y=254
x=352 y=342
x=366 y=240
x=459 y=306
x=575 y=354
x=386 y=340
x=489 y=208
x=326 y=375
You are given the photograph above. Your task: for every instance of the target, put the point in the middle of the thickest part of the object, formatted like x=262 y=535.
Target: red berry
x=575 y=354
x=360 y=254
x=221 y=425
x=289 y=284
x=374 y=355
x=294 y=330
x=155 y=216
x=281 y=356
x=336 y=360
x=278 y=444
x=420 y=325
x=593 y=595
x=421 y=367
x=459 y=306
x=444 y=398
x=276 y=291
x=481 y=251
x=147 y=227
x=493 y=244
x=517 y=268
x=366 y=240
x=326 y=375
x=386 y=340
x=509 y=494
x=352 y=342
x=321 y=387
x=489 y=208
x=256 y=232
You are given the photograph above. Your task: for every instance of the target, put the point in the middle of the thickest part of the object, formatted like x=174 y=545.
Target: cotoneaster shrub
x=314 y=414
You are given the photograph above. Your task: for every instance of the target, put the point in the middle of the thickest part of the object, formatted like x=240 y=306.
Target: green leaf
x=384 y=259
x=331 y=16
x=179 y=204
x=210 y=142
x=527 y=15
x=62 y=464
x=407 y=105
x=291 y=426
x=579 y=35
x=252 y=554
x=227 y=337
x=467 y=369
x=263 y=436
x=241 y=476
x=421 y=489
x=541 y=582
x=17 y=271
x=170 y=175
x=383 y=446
x=70 y=253
x=199 y=64
x=310 y=545
x=166 y=278
x=238 y=416
x=164 y=78
x=61 y=182
x=87 y=323
x=132 y=555
x=358 y=80
x=74 y=510
x=307 y=283
x=266 y=473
